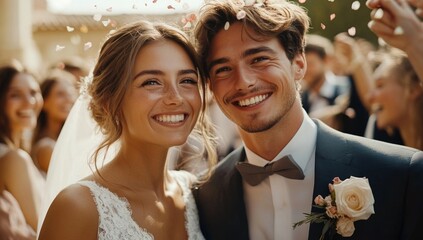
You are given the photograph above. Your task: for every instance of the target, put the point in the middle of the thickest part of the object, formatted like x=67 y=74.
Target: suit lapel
x=332 y=160
x=233 y=197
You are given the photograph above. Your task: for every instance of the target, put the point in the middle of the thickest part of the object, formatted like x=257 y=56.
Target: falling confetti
x=154 y=1
x=87 y=46
x=355 y=5
x=134 y=6
x=170 y=7
x=60 y=65
x=187 y=25
x=227 y=25
x=191 y=17
x=323 y=26
x=241 y=14
x=113 y=23
x=97 y=17
x=69 y=29
x=110 y=9
x=332 y=16
x=59 y=48
x=331 y=0
x=351 y=31
x=301 y=1
x=112 y=31
x=106 y=23
x=83 y=29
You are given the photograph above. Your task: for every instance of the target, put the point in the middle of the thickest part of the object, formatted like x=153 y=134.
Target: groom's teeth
x=253 y=100
x=170 y=118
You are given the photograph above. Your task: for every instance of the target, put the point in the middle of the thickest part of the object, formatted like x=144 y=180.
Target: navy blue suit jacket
x=395 y=175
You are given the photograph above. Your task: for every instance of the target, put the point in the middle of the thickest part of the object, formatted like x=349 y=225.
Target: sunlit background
x=113 y=7
x=41 y=33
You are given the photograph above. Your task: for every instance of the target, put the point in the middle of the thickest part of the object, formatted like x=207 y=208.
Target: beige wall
x=16 y=40
x=32 y=40
x=47 y=42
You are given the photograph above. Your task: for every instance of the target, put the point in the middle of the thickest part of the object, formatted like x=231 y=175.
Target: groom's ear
x=299 y=64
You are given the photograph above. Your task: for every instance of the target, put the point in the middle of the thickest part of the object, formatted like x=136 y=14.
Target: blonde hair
x=407 y=77
x=113 y=73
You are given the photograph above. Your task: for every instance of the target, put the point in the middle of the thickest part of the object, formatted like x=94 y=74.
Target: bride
x=145 y=95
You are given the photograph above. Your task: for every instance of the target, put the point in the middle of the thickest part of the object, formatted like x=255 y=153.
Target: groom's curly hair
x=270 y=18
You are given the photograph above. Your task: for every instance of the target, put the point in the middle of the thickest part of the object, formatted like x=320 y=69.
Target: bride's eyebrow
x=149 y=72
x=161 y=73
x=187 y=71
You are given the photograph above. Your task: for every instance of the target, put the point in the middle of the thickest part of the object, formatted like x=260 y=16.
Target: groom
x=253 y=57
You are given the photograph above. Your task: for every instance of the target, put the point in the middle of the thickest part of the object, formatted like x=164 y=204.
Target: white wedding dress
x=115 y=215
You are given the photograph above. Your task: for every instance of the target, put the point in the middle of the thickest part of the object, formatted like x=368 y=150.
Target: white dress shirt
x=275 y=204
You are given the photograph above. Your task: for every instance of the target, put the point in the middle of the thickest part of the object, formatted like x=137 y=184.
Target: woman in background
x=397 y=99
x=20 y=104
x=59 y=94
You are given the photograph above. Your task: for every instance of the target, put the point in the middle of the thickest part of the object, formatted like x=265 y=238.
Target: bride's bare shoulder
x=72 y=215
x=76 y=195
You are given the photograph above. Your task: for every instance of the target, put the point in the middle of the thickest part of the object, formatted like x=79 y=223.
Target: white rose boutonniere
x=349 y=200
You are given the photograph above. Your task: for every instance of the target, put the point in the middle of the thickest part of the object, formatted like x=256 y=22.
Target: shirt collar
x=300 y=147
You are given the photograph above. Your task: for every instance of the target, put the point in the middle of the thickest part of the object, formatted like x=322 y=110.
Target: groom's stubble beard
x=255 y=125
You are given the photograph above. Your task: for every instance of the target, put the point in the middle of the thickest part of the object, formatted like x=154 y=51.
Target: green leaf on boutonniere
x=311 y=217
x=339 y=215
x=326 y=227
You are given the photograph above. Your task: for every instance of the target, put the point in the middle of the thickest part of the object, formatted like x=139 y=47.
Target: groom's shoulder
x=337 y=141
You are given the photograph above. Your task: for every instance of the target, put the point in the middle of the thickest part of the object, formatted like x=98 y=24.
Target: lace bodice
x=115 y=215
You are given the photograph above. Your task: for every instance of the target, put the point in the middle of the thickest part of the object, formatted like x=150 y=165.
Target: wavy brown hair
x=278 y=18
x=113 y=74
x=46 y=86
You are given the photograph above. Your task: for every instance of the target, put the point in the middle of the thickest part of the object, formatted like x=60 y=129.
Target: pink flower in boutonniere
x=349 y=200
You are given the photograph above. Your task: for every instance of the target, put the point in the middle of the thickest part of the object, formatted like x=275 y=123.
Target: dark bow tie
x=285 y=166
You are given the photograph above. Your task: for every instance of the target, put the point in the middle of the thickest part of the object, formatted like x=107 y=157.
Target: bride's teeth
x=253 y=100
x=170 y=118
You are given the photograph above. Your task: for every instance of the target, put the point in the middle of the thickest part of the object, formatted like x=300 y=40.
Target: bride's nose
x=172 y=96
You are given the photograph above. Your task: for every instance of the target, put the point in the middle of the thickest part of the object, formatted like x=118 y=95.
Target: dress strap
x=115 y=215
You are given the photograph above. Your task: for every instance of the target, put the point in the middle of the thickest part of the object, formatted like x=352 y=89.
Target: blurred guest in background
x=20 y=104
x=397 y=99
x=320 y=85
x=397 y=24
x=59 y=94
